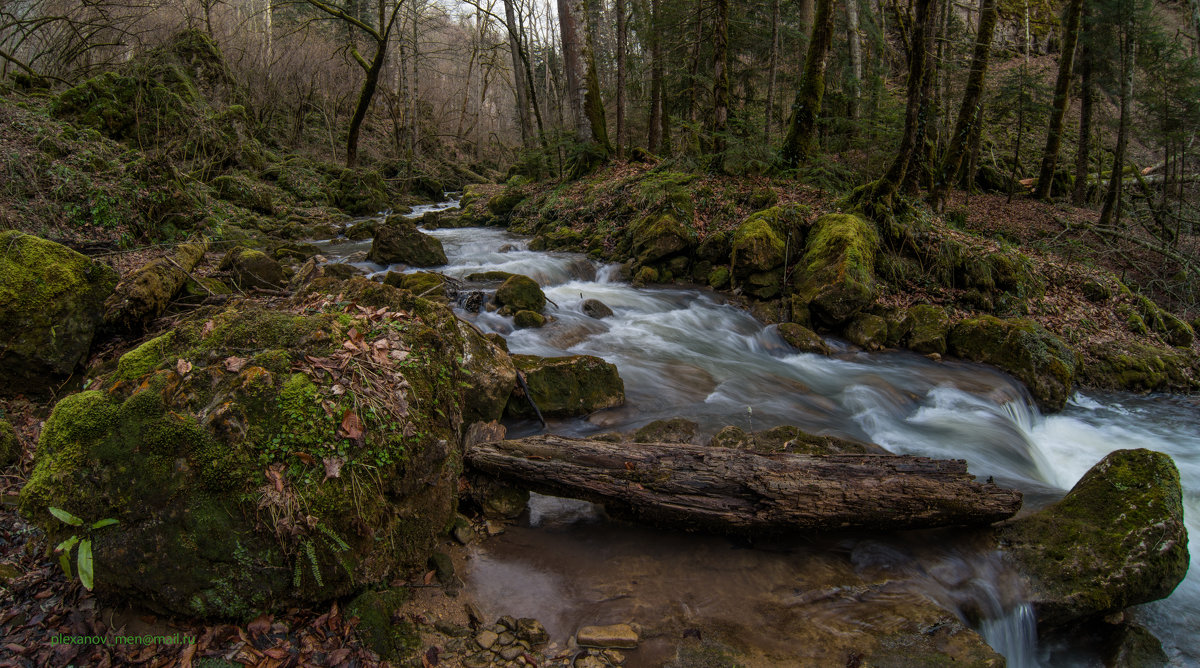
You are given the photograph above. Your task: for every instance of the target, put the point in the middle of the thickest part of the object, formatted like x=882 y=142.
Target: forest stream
x=689 y=353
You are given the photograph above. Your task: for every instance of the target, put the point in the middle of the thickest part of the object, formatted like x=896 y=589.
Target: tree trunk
x=721 y=83
x=856 y=65
x=968 y=117
x=622 y=137
x=520 y=85
x=654 y=129
x=742 y=492
x=1083 y=151
x=573 y=64
x=1062 y=99
x=592 y=103
x=364 y=103
x=802 y=127
x=772 y=72
x=1111 y=211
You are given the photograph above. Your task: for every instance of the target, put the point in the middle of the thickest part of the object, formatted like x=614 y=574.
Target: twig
x=189 y=275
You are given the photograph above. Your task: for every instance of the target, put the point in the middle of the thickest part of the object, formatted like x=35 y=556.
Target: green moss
x=51 y=301
x=675 y=430
x=245 y=192
x=10 y=446
x=1023 y=348
x=360 y=192
x=423 y=283
x=503 y=203
x=836 y=275
x=756 y=246
x=1117 y=539
x=567 y=386
x=927 y=328
x=526 y=319
x=1139 y=367
x=867 y=331
x=520 y=293
x=145 y=358
x=718 y=278
x=660 y=236
x=375 y=611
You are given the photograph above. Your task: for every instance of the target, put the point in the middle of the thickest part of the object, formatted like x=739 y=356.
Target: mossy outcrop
x=567 y=386
x=249 y=470
x=245 y=192
x=1023 y=348
x=1117 y=539
x=397 y=240
x=1139 y=367
x=756 y=246
x=867 y=331
x=660 y=236
x=360 y=192
x=803 y=339
x=835 y=278
x=927 y=328
x=520 y=293
x=528 y=319
x=377 y=627
x=10 y=446
x=253 y=269
x=51 y=302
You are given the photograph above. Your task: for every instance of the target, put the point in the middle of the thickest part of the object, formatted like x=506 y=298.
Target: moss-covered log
x=734 y=491
x=145 y=294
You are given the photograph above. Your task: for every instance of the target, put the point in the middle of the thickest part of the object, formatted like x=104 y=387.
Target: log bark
x=740 y=492
x=145 y=293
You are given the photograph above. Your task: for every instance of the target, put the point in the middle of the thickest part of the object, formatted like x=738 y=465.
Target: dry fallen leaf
x=183 y=366
x=260 y=625
x=333 y=467
x=208 y=328
x=305 y=457
x=352 y=426
x=234 y=364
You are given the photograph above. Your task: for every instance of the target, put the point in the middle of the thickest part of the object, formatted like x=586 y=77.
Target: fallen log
x=145 y=293
x=734 y=491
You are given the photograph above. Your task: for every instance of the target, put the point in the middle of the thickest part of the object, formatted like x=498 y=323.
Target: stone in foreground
x=614 y=636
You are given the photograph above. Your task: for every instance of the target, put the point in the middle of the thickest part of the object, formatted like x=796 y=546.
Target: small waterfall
x=1014 y=635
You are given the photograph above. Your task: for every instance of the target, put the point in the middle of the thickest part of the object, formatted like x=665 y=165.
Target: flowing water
x=689 y=353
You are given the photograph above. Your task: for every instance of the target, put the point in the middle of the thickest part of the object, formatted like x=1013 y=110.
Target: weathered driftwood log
x=735 y=491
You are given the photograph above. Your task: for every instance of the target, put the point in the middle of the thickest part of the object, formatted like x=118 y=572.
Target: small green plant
x=84 y=558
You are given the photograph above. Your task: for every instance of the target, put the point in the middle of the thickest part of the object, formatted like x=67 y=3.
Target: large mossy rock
x=660 y=236
x=1115 y=540
x=10 y=445
x=927 y=327
x=756 y=246
x=1139 y=367
x=258 y=458
x=567 y=386
x=1023 y=348
x=398 y=240
x=803 y=339
x=836 y=276
x=520 y=293
x=51 y=301
x=253 y=269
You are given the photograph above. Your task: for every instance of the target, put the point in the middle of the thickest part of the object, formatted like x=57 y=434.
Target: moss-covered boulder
x=1023 y=348
x=397 y=240
x=10 y=446
x=245 y=192
x=378 y=627
x=566 y=386
x=427 y=284
x=803 y=339
x=1139 y=367
x=787 y=438
x=756 y=246
x=250 y=469
x=660 y=236
x=253 y=269
x=51 y=301
x=674 y=430
x=927 y=329
x=528 y=319
x=1176 y=331
x=359 y=192
x=501 y=204
x=835 y=278
x=1115 y=540
x=520 y=293
x=867 y=331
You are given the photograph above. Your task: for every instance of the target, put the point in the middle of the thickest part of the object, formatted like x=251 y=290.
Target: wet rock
x=1023 y=348
x=188 y=445
x=362 y=230
x=512 y=652
x=341 y=271
x=1116 y=539
x=51 y=303
x=253 y=269
x=462 y=531
x=567 y=386
x=803 y=339
x=1136 y=366
x=496 y=499
x=715 y=248
x=531 y=631
x=10 y=446
x=397 y=240
x=660 y=236
x=487 y=639
x=594 y=308
x=427 y=284
x=502 y=204
x=616 y=636
x=472 y=301
x=927 y=329
x=520 y=293
x=835 y=278
x=1133 y=646
x=867 y=331
x=484 y=276
x=488 y=372
x=675 y=430
x=528 y=319
x=443 y=567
